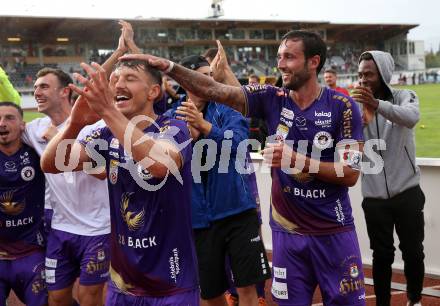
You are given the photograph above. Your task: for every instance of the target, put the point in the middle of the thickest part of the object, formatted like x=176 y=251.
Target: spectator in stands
x=330 y=79
x=392 y=198
x=253 y=79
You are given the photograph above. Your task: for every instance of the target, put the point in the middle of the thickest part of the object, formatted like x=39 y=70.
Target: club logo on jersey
x=302 y=177
x=354 y=271
x=144 y=173
x=8 y=206
x=113 y=171
x=133 y=220
x=10 y=166
x=39 y=283
x=281 y=133
x=322 y=140
x=100 y=255
x=28 y=173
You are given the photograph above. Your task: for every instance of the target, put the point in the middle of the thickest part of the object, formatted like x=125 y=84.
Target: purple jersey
x=300 y=202
x=22 y=188
x=152 y=248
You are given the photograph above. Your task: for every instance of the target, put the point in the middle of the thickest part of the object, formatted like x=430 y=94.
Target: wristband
x=170 y=67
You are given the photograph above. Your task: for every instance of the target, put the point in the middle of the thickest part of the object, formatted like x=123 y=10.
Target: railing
x=430 y=183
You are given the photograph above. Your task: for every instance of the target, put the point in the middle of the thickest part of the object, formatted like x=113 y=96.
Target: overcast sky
x=423 y=12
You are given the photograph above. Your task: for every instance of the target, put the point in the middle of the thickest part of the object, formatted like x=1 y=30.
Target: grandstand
x=28 y=43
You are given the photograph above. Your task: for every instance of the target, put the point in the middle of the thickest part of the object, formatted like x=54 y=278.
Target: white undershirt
x=80 y=202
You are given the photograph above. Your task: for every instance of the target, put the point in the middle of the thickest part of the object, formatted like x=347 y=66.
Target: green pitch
x=427 y=130
x=29 y=115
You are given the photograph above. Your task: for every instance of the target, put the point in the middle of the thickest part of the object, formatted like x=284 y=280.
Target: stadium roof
x=106 y=31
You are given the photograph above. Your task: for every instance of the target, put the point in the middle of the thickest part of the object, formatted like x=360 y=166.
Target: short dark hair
x=330 y=70
x=8 y=103
x=62 y=77
x=313 y=45
x=149 y=70
x=366 y=56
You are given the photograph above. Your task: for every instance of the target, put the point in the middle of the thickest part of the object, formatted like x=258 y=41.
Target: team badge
x=354 y=271
x=28 y=173
x=322 y=140
x=100 y=255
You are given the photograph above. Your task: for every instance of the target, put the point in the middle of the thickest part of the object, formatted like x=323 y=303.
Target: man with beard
x=22 y=240
x=311 y=212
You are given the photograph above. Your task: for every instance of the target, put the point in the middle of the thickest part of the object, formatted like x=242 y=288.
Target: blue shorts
x=69 y=256
x=302 y=262
x=26 y=277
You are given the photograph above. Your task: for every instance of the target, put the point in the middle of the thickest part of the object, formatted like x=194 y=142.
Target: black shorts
x=238 y=239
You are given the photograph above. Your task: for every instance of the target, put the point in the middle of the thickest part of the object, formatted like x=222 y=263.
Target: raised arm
x=221 y=71
x=126 y=43
x=158 y=156
x=63 y=149
x=197 y=83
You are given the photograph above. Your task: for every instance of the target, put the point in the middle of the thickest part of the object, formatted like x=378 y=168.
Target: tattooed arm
x=197 y=83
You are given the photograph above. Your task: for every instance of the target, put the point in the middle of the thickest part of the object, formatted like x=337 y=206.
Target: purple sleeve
x=89 y=139
x=351 y=124
x=177 y=132
x=260 y=99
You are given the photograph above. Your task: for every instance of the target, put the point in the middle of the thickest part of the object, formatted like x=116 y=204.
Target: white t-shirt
x=80 y=202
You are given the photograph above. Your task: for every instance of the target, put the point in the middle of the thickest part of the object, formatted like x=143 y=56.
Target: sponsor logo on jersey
x=113 y=171
x=287 y=113
x=114 y=143
x=281 y=133
x=301 y=122
x=323 y=114
x=10 y=166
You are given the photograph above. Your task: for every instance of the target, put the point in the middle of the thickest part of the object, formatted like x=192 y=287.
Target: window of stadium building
x=186 y=34
x=403 y=47
x=269 y=34
x=204 y=34
x=237 y=34
x=221 y=34
x=256 y=34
